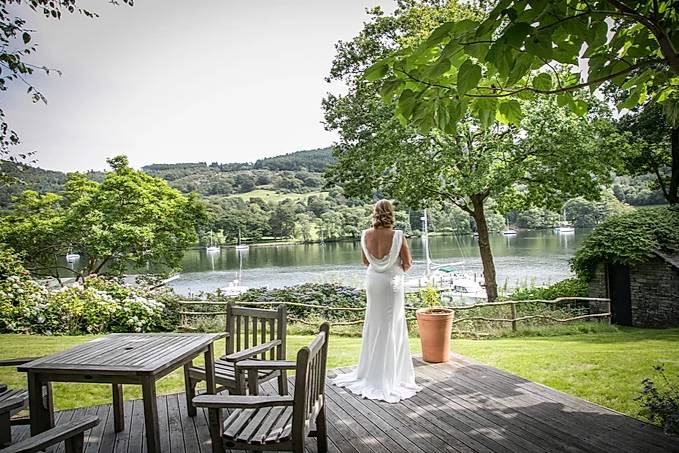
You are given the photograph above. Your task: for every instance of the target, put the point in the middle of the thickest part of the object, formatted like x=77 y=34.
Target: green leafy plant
x=430 y=297
x=570 y=287
x=628 y=239
x=660 y=401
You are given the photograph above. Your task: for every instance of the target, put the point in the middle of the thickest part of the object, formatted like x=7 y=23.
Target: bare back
x=378 y=242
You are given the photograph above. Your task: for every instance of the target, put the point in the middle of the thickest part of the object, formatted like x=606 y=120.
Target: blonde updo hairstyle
x=383 y=214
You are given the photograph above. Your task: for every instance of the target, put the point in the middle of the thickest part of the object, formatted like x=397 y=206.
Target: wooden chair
x=252 y=333
x=13 y=401
x=275 y=422
x=71 y=433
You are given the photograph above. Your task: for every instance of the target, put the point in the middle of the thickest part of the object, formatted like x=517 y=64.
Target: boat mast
x=425 y=236
x=240 y=267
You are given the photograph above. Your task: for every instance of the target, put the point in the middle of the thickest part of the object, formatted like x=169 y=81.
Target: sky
x=182 y=81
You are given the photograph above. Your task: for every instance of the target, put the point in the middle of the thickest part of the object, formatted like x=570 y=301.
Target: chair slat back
x=248 y=327
x=310 y=382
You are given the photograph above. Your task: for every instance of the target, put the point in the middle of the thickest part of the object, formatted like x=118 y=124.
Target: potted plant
x=435 y=323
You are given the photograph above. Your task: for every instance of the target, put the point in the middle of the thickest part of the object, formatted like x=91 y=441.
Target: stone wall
x=598 y=288
x=654 y=291
x=654 y=287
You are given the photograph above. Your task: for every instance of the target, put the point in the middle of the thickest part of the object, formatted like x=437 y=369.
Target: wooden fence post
x=513 y=317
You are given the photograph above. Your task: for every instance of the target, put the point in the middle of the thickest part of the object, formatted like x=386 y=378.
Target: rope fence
x=514 y=319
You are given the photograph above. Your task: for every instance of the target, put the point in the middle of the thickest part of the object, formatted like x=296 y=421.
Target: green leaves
x=509 y=112
x=468 y=76
x=579 y=107
x=26 y=37
x=531 y=42
x=542 y=82
x=406 y=102
x=376 y=71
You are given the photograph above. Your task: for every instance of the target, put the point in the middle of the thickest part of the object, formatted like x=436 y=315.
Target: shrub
x=570 y=287
x=660 y=403
x=98 y=305
x=628 y=239
x=320 y=294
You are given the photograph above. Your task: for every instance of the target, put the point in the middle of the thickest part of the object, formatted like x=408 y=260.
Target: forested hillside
x=285 y=197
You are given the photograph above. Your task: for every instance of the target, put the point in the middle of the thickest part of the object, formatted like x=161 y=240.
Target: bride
x=385 y=370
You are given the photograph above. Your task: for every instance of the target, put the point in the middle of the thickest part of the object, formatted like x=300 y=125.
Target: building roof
x=671 y=258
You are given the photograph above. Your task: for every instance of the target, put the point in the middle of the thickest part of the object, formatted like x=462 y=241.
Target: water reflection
x=529 y=257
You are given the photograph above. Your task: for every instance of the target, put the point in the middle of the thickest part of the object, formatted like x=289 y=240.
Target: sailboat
x=235 y=287
x=212 y=248
x=72 y=257
x=454 y=283
x=240 y=246
x=509 y=231
x=565 y=227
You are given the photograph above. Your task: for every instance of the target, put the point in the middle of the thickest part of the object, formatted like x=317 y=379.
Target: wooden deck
x=464 y=407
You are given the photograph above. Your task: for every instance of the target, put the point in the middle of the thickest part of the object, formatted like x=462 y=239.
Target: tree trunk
x=673 y=192
x=484 y=247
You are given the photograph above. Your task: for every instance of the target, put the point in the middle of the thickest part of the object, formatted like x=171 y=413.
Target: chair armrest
x=266 y=365
x=11 y=404
x=17 y=361
x=251 y=352
x=241 y=402
x=53 y=436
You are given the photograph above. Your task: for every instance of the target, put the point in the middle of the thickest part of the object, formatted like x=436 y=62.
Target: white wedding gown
x=385 y=369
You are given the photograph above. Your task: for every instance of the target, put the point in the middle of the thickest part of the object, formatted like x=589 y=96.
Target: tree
x=16 y=44
x=129 y=220
x=654 y=149
x=282 y=220
x=551 y=157
x=522 y=49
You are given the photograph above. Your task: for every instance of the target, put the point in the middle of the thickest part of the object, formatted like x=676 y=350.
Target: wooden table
x=119 y=359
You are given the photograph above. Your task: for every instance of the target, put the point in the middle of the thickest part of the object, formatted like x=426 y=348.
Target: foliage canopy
x=524 y=48
x=629 y=239
x=129 y=219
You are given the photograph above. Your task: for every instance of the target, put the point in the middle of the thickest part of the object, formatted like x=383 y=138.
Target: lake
x=531 y=257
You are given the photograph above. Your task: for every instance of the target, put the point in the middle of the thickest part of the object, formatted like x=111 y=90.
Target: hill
x=294 y=173
x=314 y=160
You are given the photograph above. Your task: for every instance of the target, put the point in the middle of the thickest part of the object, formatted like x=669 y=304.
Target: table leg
x=148 y=388
x=118 y=408
x=39 y=405
x=190 y=389
x=215 y=418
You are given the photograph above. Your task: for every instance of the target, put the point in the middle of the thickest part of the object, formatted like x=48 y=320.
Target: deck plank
x=464 y=407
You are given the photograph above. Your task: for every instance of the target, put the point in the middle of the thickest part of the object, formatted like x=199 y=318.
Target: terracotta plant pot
x=435 y=326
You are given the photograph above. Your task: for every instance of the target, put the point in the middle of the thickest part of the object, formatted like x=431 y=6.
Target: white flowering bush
x=138 y=314
x=97 y=306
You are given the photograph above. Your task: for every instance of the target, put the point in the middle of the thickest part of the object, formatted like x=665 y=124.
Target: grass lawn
x=272 y=195
x=605 y=368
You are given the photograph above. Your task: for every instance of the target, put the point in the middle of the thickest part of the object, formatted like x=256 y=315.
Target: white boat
x=240 y=246
x=465 y=291
x=212 y=248
x=235 y=287
x=72 y=257
x=451 y=278
x=564 y=226
x=509 y=231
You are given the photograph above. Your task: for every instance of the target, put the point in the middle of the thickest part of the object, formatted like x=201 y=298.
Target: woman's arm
x=406 y=258
x=364 y=258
